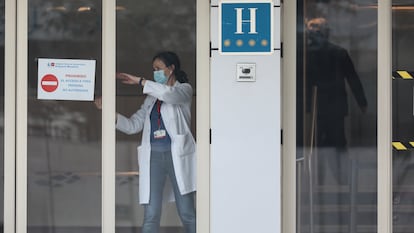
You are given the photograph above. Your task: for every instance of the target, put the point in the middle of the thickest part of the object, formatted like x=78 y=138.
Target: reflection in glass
x=144 y=29
x=336 y=107
x=403 y=121
x=64 y=147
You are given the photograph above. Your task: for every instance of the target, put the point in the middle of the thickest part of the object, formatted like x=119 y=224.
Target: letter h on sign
x=246 y=28
x=240 y=20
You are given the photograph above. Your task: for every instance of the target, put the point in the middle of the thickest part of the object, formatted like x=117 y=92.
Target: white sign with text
x=66 y=79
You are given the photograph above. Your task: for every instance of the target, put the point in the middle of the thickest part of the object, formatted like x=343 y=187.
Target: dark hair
x=170 y=58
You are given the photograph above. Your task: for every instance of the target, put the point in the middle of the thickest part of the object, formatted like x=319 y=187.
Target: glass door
x=403 y=115
x=145 y=29
x=336 y=137
x=63 y=131
x=61 y=139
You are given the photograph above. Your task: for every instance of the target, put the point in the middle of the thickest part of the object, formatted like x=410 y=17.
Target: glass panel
x=145 y=28
x=403 y=112
x=64 y=136
x=336 y=116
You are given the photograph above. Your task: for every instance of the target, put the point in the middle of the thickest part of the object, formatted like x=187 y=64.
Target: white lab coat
x=176 y=114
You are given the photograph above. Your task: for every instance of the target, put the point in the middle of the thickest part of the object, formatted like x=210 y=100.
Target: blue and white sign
x=246 y=28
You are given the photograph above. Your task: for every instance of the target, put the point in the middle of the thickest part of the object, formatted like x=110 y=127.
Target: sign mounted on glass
x=245 y=27
x=66 y=79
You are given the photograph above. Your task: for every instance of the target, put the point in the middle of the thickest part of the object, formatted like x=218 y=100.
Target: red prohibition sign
x=49 y=83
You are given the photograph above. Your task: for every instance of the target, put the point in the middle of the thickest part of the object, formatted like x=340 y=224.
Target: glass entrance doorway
x=145 y=28
x=59 y=141
x=336 y=116
x=340 y=125
x=402 y=109
x=63 y=136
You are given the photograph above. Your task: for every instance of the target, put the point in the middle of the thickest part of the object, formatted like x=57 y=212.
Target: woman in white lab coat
x=168 y=147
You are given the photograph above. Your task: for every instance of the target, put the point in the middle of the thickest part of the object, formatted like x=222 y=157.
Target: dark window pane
x=145 y=28
x=402 y=115
x=336 y=116
x=64 y=136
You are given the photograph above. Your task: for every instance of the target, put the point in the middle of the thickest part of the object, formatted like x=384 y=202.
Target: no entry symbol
x=49 y=83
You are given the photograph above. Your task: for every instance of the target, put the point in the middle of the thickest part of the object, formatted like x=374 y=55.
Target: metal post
x=310 y=155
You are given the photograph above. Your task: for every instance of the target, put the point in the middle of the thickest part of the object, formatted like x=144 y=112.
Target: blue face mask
x=160 y=77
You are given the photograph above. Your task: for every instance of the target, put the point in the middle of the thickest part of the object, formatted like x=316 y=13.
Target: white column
x=108 y=114
x=203 y=116
x=10 y=117
x=289 y=117
x=21 y=116
x=384 y=117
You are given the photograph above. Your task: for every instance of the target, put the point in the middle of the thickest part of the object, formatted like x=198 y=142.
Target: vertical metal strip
x=21 y=116
x=384 y=117
x=108 y=114
x=10 y=117
x=289 y=117
x=203 y=116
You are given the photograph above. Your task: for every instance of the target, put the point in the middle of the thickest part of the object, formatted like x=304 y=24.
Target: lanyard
x=159 y=113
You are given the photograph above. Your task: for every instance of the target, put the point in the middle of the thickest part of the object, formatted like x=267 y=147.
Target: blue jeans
x=161 y=167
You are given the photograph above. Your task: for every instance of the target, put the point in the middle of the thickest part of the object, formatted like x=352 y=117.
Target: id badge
x=161 y=133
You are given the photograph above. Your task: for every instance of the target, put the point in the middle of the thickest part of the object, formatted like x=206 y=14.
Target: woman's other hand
x=128 y=78
x=98 y=102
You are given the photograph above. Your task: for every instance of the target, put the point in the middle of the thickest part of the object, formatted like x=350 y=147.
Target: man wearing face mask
x=328 y=69
x=168 y=147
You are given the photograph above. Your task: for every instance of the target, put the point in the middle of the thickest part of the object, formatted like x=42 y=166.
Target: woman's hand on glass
x=98 y=102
